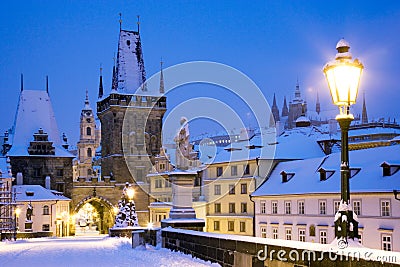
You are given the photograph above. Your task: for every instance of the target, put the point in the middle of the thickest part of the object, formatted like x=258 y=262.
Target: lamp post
x=17 y=212
x=343 y=77
x=130 y=193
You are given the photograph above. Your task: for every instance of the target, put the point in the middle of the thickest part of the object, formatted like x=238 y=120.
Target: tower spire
x=114 y=83
x=138 y=23
x=275 y=110
x=22 y=82
x=297 y=91
x=162 y=90
x=285 y=110
x=364 y=119
x=120 y=21
x=101 y=91
x=47 y=84
x=318 y=105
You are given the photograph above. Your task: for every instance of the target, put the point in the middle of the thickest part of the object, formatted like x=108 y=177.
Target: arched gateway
x=93 y=215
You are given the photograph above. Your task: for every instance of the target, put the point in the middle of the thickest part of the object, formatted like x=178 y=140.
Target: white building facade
x=299 y=199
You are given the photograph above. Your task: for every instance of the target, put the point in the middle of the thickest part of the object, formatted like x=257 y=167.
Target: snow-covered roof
x=34 y=111
x=306 y=177
x=297 y=143
x=24 y=193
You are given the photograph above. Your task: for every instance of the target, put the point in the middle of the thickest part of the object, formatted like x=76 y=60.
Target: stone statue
x=183 y=148
x=29 y=212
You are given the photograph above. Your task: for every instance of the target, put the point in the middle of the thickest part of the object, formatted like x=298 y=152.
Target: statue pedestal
x=182 y=214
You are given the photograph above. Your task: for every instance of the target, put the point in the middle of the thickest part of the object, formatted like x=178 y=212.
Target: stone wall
x=230 y=250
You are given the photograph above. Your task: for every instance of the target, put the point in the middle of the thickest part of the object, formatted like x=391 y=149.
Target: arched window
x=88 y=131
x=89 y=152
x=46 y=210
x=89 y=172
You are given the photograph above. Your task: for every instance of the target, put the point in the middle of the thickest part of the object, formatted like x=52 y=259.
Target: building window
x=275 y=232
x=217 y=207
x=263 y=231
x=262 y=207
x=274 y=208
x=167 y=183
x=60 y=187
x=46 y=227
x=385 y=208
x=162 y=166
x=243 y=207
x=387 y=242
x=158 y=183
x=312 y=230
x=302 y=235
x=231 y=207
x=322 y=207
x=243 y=188
x=322 y=237
x=246 y=169
x=288 y=232
x=336 y=205
x=88 y=131
x=60 y=172
x=231 y=226
x=46 y=210
x=37 y=172
x=233 y=170
x=217 y=189
x=231 y=189
x=219 y=171
x=89 y=152
x=360 y=235
x=301 y=206
x=28 y=227
x=357 y=207
x=288 y=207
x=216 y=225
x=242 y=227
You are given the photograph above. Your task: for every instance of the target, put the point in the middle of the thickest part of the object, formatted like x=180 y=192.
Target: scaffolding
x=8 y=216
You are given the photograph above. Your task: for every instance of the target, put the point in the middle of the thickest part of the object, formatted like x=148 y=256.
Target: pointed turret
x=101 y=91
x=87 y=105
x=285 y=110
x=22 y=82
x=162 y=90
x=364 y=119
x=275 y=110
x=47 y=84
x=318 y=105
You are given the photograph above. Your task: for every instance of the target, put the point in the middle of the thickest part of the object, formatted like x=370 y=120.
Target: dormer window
x=325 y=174
x=389 y=169
x=29 y=193
x=354 y=171
x=286 y=176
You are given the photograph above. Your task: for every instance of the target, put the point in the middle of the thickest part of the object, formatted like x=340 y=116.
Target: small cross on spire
x=138 y=22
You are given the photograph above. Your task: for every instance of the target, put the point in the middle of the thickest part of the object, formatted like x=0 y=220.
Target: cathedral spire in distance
x=101 y=91
x=364 y=118
x=47 y=84
x=22 y=82
x=120 y=21
x=275 y=110
x=318 y=105
x=285 y=110
x=162 y=90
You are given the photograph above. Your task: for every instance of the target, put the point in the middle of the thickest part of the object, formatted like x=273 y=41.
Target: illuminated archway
x=93 y=215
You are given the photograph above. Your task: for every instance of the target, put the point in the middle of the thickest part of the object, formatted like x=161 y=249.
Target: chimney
x=20 y=179
x=47 y=182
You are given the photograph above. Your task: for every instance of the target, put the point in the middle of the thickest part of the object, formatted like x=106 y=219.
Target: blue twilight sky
x=273 y=42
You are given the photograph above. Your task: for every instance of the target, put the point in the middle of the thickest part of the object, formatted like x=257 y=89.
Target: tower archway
x=93 y=215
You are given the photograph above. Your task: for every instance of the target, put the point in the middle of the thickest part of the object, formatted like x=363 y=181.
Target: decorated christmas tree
x=126 y=215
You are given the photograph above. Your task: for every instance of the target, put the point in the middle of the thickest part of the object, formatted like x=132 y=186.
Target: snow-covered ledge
x=247 y=250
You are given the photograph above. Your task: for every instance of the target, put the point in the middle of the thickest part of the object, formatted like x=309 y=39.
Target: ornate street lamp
x=343 y=77
x=130 y=192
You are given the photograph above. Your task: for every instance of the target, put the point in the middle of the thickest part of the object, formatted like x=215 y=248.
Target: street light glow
x=17 y=212
x=130 y=192
x=343 y=76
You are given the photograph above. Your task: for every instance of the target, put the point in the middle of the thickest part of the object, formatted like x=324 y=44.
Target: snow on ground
x=89 y=251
